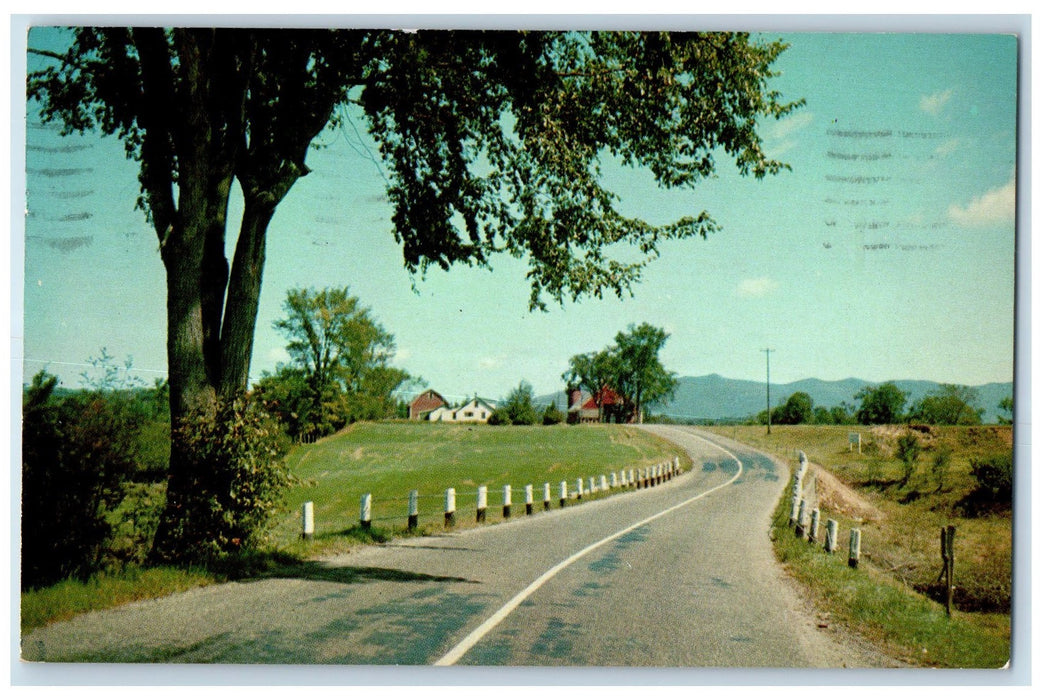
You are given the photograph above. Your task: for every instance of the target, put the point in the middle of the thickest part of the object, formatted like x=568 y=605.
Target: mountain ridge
x=715 y=397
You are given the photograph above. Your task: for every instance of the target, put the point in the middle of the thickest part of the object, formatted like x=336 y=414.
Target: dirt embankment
x=837 y=497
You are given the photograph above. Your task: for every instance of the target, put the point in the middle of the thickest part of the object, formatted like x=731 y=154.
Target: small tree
x=908 y=451
x=949 y=405
x=518 y=407
x=552 y=415
x=798 y=409
x=941 y=463
x=1006 y=407
x=882 y=405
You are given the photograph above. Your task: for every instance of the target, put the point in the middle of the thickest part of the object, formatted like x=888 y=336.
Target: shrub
x=238 y=482
x=78 y=452
x=994 y=475
x=908 y=450
x=552 y=415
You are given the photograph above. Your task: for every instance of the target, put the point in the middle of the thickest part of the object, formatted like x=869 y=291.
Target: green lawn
x=389 y=459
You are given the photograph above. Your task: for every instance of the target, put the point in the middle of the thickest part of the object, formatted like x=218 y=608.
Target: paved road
x=680 y=575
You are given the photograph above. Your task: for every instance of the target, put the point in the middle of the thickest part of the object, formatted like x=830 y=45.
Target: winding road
x=680 y=575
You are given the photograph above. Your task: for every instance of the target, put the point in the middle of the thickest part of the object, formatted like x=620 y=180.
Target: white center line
x=468 y=642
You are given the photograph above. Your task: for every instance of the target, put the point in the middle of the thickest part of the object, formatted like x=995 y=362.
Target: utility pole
x=768 y=351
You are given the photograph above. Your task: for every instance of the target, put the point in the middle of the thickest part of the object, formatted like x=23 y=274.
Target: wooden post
x=614 y=480
x=546 y=496
x=855 y=548
x=307 y=521
x=801 y=518
x=604 y=483
x=593 y=486
x=414 y=509
x=579 y=489
x=948 y=557
x=506 y=501
x=365 y=517
x=831 y=533
x=815 y=519
x=631 y=480
x=640 y=477
x=482 y=503
x=564 y=493
x=528 y=499
x=450 y=507
x=794 y=509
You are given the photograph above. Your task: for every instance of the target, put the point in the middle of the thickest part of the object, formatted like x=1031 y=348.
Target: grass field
x=389 y=459
x=892 y=598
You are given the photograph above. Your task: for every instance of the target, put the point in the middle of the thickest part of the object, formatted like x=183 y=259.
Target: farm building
x=477 y=410
x=582 y=407
x=421 y=407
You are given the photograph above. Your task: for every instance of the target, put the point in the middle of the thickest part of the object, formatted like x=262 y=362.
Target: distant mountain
x=713 y=397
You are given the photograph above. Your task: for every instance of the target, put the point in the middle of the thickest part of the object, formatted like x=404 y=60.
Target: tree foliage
x=518 y=408
x=949 y=405
x=797 y=409
x=593 y=371
x=78 y=453
x=639 y=375
x=494 y=142
x=880 y=405
x=340 y=368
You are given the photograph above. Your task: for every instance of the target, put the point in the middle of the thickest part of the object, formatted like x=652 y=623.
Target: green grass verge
x=69 y=598
x=389 y=459
x=908 y=626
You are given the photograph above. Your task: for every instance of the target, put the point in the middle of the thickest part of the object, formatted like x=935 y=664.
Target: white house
x=477 y=410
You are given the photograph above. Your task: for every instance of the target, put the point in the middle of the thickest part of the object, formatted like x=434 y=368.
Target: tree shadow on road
x=271 y=565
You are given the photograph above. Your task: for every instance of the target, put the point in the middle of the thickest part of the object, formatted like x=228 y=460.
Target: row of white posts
x=635 y=478
x=798 y=519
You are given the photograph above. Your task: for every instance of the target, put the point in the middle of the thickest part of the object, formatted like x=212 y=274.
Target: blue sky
x=886 y=253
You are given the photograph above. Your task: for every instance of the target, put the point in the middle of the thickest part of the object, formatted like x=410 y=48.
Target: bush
x=908 y=450
x=994 y=475
x=553 y=415
x=78 y=452
x=238 y=481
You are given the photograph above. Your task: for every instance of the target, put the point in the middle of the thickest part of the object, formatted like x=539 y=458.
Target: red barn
x=582 y=407
x=426 y=402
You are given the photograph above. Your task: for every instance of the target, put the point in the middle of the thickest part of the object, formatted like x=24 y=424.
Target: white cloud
x=756 y=287
x=947 y=148
x=995 y=207
x=785 y=128
x=933 y=104
x=490 y=362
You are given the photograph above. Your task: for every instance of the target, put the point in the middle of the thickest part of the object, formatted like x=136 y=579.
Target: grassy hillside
x=391 y=458
x=893 y=597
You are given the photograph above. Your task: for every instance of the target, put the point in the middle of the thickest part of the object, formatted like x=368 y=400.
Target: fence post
x=831 y=533
x=506 y=501
x=450 y=507
x=414 y=509
x=948 y=556
x=564 y=493
x=855 y=548
x=604 y=483
x=546 y=496
x=632 y=480
x=794 y=509
x=614 y=480
x=815 y=519
x=365 y=517
x=528 y=499
x=579 y=489
x=593 y=486
x=482 y=503
x=801 y=518
x=307 y=518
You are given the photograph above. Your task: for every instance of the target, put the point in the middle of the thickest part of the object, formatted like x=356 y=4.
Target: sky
x=887 y=252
